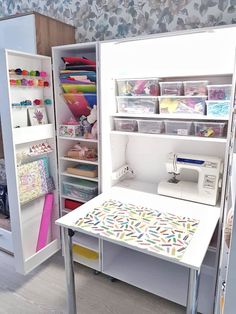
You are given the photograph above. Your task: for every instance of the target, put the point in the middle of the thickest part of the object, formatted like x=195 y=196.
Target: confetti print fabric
x=146 y=228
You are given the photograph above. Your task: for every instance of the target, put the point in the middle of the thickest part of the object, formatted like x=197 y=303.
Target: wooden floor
x=43 y=291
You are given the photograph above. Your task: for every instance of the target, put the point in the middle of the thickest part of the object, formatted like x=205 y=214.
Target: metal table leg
x=69 y=269
x=193 y=287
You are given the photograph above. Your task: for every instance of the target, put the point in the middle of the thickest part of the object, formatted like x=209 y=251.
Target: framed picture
x=37 y=115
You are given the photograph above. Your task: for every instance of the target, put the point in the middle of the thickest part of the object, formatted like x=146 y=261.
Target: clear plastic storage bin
x=209 y=129
x=136 y=87
x=195 y=88
x=219 y=92
x=175 y=127
x=137 y=104
x=171 y=88
x=183 y=105
x=125 y=125
x=218 y=108
x=79 y=188
x=150 y=126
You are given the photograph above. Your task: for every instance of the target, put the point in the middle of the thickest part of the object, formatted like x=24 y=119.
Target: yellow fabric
x=82 y=251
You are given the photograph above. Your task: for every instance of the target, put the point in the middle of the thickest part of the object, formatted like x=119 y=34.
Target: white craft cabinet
x=184 y=57
x=164 y=57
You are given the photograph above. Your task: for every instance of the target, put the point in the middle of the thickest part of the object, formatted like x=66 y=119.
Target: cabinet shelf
x=170 y=116
x=78 y=139
x=79 y=177
x=88 y=162
x=86 y=241
x=173 y=137
x=33 y=133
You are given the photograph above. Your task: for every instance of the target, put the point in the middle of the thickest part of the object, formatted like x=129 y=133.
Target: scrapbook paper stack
x=34 y=180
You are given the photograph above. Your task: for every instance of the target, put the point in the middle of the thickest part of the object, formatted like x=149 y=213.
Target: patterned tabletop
x=149 y=229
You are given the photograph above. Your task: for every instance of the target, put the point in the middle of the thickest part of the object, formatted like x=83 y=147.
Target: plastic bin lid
x=174 y=82
x=201 y=81
x=137 y=79
x=220 y=85
x=81 y=183
x=220 y=101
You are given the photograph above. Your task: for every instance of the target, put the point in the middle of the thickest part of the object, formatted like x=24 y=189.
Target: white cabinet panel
x=26 y=219
x=24 y=39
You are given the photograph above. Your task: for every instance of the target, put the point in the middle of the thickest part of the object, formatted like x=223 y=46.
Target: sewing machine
x=206 y=190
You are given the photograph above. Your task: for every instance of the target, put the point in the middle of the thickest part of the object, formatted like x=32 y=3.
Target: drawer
x=6 y=240
x=134 y=104
x=209 y=129
x=150 y=126
x=175 y=127
x=136 y=87
x=219 y=92
x=125 y=125
x=79 y=188
x=171 y=88
x=183 y=105
x=195 y=88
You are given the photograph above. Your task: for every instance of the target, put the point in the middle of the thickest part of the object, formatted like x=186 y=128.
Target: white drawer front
x=6 y=240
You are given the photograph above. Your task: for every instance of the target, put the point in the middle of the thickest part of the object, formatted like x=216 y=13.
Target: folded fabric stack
x=78 y=82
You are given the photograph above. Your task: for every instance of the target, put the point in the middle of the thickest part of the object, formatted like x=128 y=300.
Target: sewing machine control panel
x=209 y=182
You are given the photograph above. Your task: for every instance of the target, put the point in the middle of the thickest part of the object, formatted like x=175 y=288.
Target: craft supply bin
x=70 y=130
x=176 y=127
x=209 y=129
x=150 y=126
x=218 y=108
x=219 y=92
x=81 y=189
x=137 y=104
x=89 y=171
x=126 y=125
x=136 y=87
x=195 y=88
x=171 y=88
x=184 y=104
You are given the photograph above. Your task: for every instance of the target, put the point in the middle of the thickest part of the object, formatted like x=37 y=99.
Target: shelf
x=94 y=264
x=79 y=177
x=86 y=241
x=147 y=187
x=157 y=276
x=67 y=211
x=78 y=139
x=79 y=161
x=73 y=198
x=33 y=133
x=170 y=116
x=172 y=137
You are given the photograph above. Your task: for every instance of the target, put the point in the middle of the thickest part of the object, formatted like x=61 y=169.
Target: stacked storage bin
x=177 y=98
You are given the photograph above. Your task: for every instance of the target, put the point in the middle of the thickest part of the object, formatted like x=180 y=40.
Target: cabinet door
x=19 y=33
x=30 y=157
x=225 y=303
